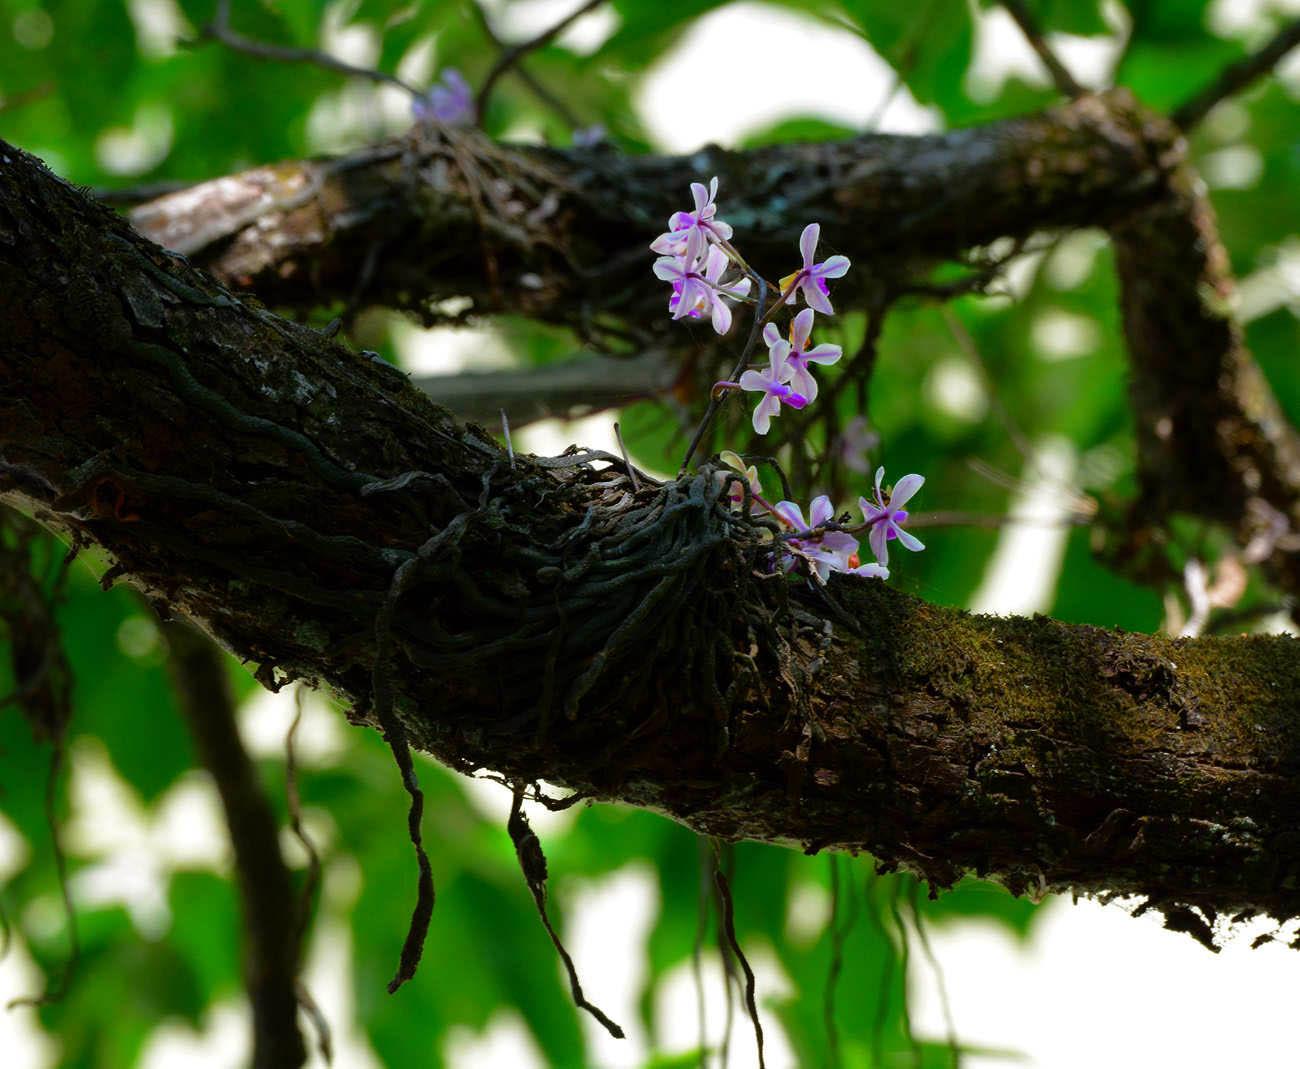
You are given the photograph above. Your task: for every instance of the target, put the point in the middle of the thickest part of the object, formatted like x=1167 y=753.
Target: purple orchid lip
x=794 y=400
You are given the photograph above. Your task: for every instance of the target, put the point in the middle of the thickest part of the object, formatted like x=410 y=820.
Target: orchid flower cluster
x=697 y=258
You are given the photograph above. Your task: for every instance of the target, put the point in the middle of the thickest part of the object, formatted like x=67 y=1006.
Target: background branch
x=272 y=947
x=514 y=53
x=1061 y=77
x=1237 y=77
x=569 y=389
x=219 y=30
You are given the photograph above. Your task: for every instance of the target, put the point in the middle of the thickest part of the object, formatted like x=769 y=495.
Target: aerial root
x=729 y=929
x=528 y=848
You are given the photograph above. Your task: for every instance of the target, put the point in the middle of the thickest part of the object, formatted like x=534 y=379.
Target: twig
x=954 y=518
x=714 y=401
x=219 y=30
x=505 y=431
x=528 y=849
x=967 y=345
x=513 y=54
x=729 y=927
x=324 y=1039
x=24 y=97
x=1061 y=77
x=131 y=196
x=631 y=471
x=272 y=949
x=524 y=75
x=1237 y=76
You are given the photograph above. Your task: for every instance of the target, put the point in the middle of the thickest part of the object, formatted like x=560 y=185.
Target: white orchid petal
x=808 y=243
x=907 y=487
x=821 y=510
x=909 y=541
x=801 y=329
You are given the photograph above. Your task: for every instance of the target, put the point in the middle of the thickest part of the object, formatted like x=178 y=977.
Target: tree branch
x=568 y=390
x=567 y=230
x=272 y=949
x=1061 y=76
x=514 y=53
x=1237 y=76
x=544 y=95
x=219 y=30
x=555 y=624
x=1212 y=440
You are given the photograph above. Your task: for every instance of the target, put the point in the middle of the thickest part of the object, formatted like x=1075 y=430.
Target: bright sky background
x=1093 y=986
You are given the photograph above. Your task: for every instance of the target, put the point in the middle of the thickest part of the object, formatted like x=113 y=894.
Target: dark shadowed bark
x=549 y=620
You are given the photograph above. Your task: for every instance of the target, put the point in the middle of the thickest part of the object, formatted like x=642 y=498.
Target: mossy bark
x=549 y=619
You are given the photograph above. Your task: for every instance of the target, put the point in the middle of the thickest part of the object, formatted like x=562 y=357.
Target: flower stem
x=715 y=402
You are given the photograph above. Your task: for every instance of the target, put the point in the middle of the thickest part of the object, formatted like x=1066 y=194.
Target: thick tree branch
x=267 y=900
x=268 y=483
x=561 y=235
x=1212 y=440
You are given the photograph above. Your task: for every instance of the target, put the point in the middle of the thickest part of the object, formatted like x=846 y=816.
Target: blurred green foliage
x=105 y=92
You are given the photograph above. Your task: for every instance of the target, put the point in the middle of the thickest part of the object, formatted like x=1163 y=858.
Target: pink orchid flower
x=450 y=102
x=854 y=443
x=695 y=293
x=810 y=280
x=827 y=551
x=690 y=290
x=772 y=384
x=689 y=232
x=799 y=355
x=887 y=515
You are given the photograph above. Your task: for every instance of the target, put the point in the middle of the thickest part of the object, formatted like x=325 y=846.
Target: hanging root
x=839 y=932
x=310 y=885
x=532 y=861
x=57 y=989
x=729 y=928
x=382 y=706
x=914 y=908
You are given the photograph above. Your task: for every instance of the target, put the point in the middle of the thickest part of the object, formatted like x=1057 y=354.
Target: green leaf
x=928 y=43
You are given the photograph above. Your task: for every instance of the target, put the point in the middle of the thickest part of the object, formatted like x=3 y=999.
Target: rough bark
x=1212 y=440
x=548 y=620
x=561 y=234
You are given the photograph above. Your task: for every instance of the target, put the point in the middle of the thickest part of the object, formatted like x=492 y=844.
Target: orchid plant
x=696 y=259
